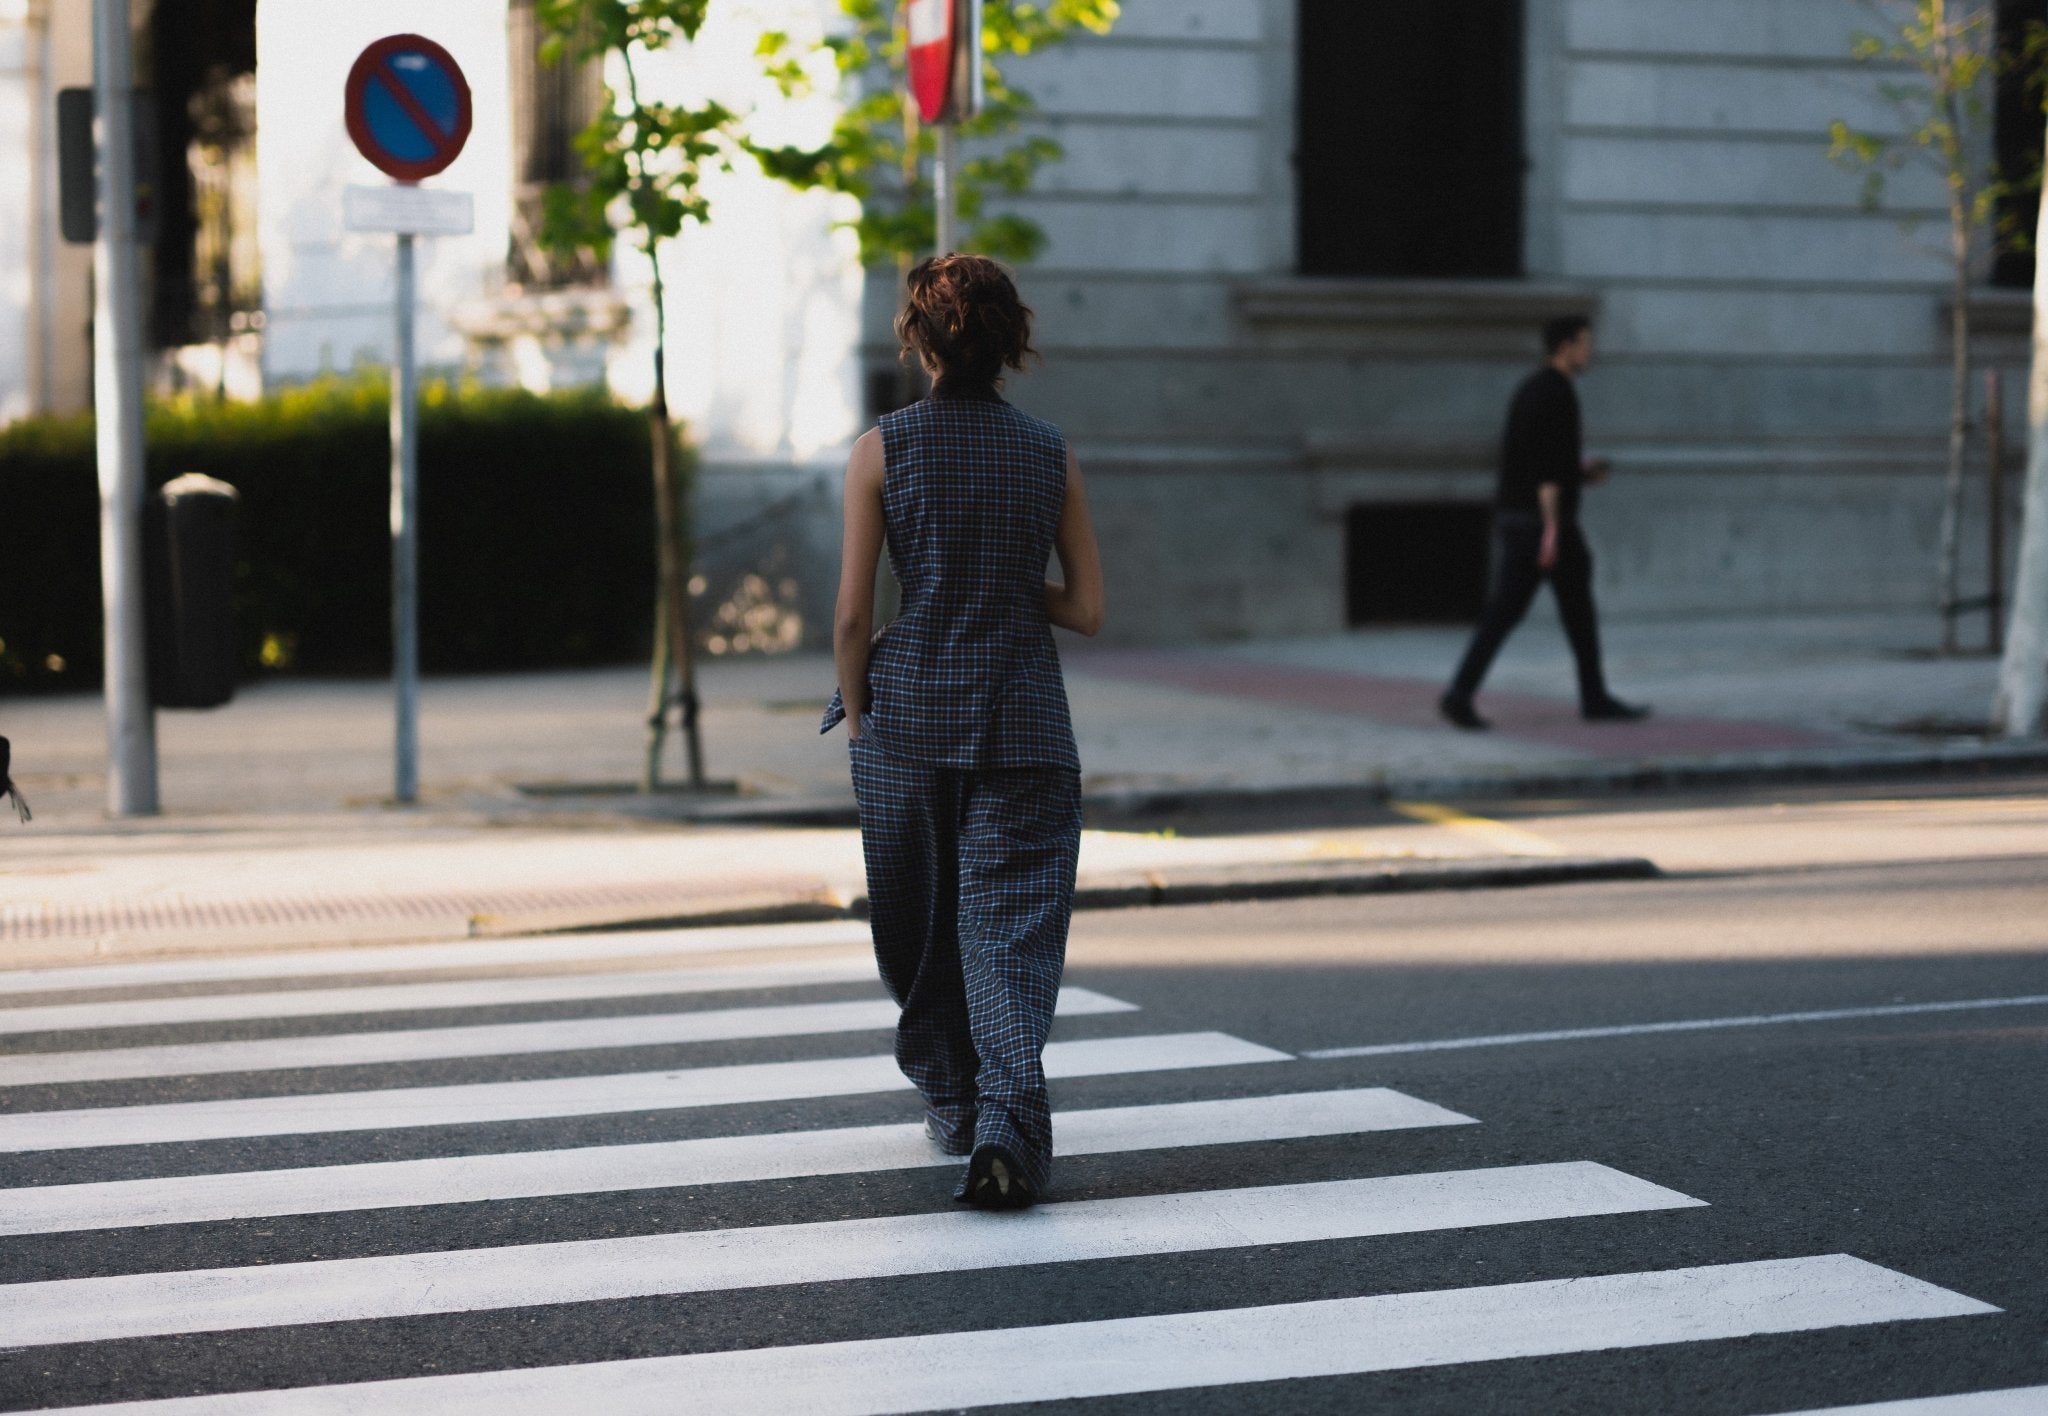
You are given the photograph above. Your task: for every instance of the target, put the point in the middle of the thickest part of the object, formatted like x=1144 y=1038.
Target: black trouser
x=970 y=893
x=1512 y=585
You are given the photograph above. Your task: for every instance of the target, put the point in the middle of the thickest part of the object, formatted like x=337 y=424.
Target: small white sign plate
x=408 y=211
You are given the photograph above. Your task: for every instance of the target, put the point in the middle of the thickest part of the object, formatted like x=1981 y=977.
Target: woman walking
x=956 y=714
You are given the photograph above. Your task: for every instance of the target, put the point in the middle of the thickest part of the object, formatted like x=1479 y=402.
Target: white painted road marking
x=487 y=1040
x=481 y=1102
x=1758 y=1020
x=473 y=953
x=706 y=1261
x=2014 y=1401
x=409 y=997
x=1170 y=1352
x=187 y=1199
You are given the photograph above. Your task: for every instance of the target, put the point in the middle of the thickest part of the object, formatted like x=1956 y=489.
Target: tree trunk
x=2023 y=675
x=675 y=589
x=1958 y=428
x=658 y=693
x=674 y=648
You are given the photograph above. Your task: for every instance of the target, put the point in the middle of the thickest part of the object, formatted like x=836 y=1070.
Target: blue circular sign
x=408 y=106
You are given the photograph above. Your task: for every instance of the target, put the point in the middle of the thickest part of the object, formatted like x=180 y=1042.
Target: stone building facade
x=1298 y=253
x=1286 y=434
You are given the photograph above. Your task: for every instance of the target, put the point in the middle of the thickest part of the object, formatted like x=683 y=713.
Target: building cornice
x=1446 y=318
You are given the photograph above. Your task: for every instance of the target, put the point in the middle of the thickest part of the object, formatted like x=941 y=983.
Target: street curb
x=1251 y=883
x=1107 y=808
x=1386 y=878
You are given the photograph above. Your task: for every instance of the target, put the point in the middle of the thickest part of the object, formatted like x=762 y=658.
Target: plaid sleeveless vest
x=967 y=675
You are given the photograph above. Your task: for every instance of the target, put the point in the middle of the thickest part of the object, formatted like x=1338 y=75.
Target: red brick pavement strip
x=1411 y=703
x=477 y=910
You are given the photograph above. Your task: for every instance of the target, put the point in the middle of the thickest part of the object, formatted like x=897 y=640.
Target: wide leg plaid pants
x=970 y=892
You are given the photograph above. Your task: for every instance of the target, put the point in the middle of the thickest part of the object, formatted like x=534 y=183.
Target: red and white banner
x=932 y=31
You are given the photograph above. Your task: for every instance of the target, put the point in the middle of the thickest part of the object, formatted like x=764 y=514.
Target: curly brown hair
x=965 y=322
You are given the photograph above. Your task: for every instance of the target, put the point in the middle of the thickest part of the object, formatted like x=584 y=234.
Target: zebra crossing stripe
x=473 y=953
x=705 y=1261
x=1168 y=1352
x=2014 y=1401
x=477 y=1103
x=489 y=1040
x=188 y=1199
x=409 y=997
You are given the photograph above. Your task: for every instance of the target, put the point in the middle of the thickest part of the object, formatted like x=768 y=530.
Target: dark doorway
x=1408 y=145
x=2017 y=125
x=1416 y=562
x=201 y=61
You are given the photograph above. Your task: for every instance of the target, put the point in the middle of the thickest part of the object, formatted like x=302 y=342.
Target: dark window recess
x=2017 y=126
x=200 y=61
x=1408 y=145
x=891 y=387
x=1416 y=562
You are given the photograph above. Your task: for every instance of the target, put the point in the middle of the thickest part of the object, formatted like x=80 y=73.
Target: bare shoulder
x=865 y=464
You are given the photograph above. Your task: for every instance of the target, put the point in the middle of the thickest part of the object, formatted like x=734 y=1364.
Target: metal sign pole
x=943 y=185
x=405 y=642
x=408 y=111
x=117 y=400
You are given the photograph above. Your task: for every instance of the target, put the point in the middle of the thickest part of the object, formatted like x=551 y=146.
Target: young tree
x=645 y=159
x=878 y=150
x=1952 y=44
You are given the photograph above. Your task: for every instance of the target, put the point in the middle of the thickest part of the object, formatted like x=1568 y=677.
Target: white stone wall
x=1775 y=356
x=1695 y=189
x=328 y=293
x=763 y=303
x=18 y=208
x=1773 y=375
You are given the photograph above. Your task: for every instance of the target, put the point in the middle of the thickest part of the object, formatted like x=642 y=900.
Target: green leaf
x=876 y=139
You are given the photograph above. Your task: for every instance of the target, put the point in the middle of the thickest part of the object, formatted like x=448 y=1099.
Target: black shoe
x=1459 y=711
x=1613 y=710
x=994 y=1182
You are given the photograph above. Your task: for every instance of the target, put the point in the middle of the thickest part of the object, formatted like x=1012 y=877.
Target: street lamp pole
x=405 y=563
x=117 y=405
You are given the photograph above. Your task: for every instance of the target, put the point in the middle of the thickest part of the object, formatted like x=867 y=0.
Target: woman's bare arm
x=853 y=622
x=1076 y=603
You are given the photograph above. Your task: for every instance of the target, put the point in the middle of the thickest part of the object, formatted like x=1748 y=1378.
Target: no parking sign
x=408 y=111
x=408 y=106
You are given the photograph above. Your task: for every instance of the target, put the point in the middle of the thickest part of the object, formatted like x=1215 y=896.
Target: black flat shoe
x=994 y=1182
x=1459 y=711
x=1613 y=710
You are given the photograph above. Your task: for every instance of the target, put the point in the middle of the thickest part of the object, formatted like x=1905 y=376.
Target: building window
x=1408 y=146
x=1416 y=562
x=2018 y=128
x=551 y=104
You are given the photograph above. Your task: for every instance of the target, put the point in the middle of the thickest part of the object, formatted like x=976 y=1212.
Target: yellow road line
x=1511 y=839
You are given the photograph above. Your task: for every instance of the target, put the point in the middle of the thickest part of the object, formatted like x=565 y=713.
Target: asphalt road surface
x=1764 y=1136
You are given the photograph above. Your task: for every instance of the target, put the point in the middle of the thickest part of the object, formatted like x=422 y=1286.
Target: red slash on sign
x=408 y=106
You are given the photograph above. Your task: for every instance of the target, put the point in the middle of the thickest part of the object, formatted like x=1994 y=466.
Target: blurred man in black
x=1536 y=529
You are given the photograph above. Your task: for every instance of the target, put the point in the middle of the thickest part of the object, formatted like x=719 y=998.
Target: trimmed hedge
x=536 y=524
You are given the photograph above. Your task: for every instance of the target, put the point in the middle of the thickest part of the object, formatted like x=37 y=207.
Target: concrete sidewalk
x=275 y=830
x=1839 y=694
x=70 y=898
